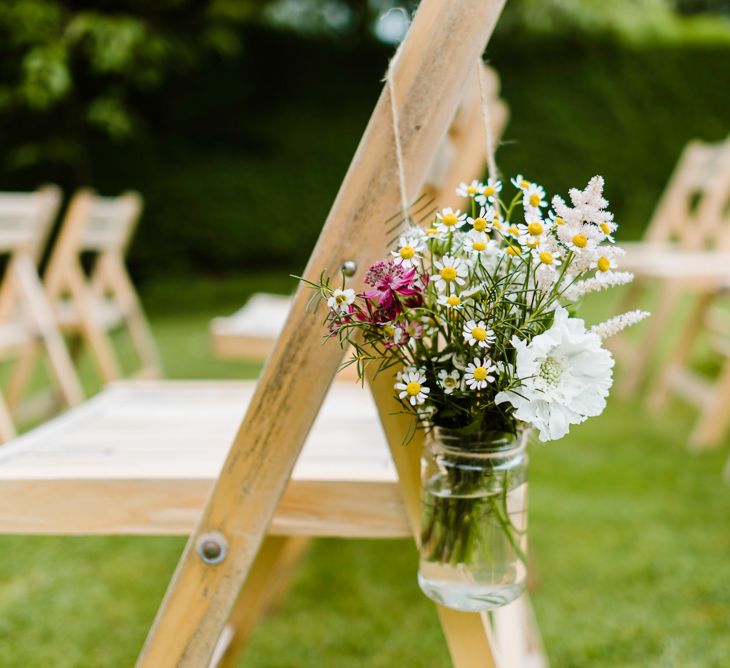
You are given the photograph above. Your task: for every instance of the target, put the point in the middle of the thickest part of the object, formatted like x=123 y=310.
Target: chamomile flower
x=484 y=221
x=477 y=244
x=452 y=273
x=454 y=302
x=478 y=373
x=608 y=227
x=604 y=260
x=471 y=189
x=448 y=220
x=548 y=255
x=489 y=192
x=578 y=238
x=520 y=182
x=409 y=252
x=555 y=219
x=341 y=300
x=476 y=333
x=411 y=386
x=533 y=197
x=533 y=231
x=449 y=380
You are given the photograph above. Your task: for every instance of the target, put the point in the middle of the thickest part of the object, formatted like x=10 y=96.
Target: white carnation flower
x=565 y=375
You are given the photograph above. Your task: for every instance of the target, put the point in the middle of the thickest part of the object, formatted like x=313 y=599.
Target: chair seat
x=142 y=456
x=669 y=261
x=107 y=314
x=250 y=333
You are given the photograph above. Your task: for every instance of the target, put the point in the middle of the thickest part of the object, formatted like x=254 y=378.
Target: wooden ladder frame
x=444 y=43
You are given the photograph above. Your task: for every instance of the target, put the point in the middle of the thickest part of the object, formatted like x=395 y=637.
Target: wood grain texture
x=443 y=43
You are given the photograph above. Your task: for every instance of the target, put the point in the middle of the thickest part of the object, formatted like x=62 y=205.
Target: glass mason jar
x=473 y=519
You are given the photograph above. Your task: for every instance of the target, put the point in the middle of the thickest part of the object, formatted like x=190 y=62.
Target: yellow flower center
x=513 y=250
x=559 y=220
x=605 y=228
x=341 y=299
x=453 y=301
x=535 y=199
x=580 y=241
x=407 y=252
x=535 y=229
x=480 y=224
x=431 y=231
x=413 y=388
x=546 y=257
x=449 y=219
x=524 y=184
x=480 y=373
x=513 y=230
x=479 y=333
x=489 y=191
x=471 y=190
x=448 y=273
x=604 y=264
x=389 y=330
x=479 y=245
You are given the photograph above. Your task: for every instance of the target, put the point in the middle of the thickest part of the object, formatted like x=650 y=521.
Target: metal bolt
x=212 y=548
x=349 y=267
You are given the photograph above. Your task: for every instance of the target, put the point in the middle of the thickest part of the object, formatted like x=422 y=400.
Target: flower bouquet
x=476 y=312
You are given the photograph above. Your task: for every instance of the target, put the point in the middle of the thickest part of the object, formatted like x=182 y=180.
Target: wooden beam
x=445 y=40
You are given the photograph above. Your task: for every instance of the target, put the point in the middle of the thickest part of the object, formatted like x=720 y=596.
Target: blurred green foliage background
x=236 y=119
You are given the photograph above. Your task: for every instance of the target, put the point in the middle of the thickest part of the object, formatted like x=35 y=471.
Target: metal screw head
x=349 y=267
x=212 y=548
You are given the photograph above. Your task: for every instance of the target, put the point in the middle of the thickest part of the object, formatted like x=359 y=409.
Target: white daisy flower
x=452 y=273
x=448 y=220
x=479 y=373
x=451 y=302
x=489 y=192
x=520 y=182
x=476 y=333
x=484 y=221
x=548 y=256
x=471 y=189
x=533 y=231
x=340 y=300
x=533 y=197
x=604 y=260
x=578 y=238
x=449 y=380
x=608 y=227
x=477 y=244
x=411 y=386
x=408 y=253
x=555 y=219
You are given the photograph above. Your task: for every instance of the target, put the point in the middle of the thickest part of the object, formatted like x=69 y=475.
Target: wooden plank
x=443 y=43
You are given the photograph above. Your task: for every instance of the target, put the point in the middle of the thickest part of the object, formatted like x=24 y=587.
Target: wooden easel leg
x=269 y=578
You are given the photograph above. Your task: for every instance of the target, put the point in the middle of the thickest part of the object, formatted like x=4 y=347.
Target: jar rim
x=513 y=444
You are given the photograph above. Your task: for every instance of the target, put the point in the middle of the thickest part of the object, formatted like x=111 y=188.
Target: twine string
x=395 y=117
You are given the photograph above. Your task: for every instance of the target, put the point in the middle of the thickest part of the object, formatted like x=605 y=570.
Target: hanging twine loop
x=396 y=133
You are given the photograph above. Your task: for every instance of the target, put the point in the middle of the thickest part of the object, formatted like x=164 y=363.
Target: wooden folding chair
x=251 y=332
x=686 y=250
x=94 y=306
x=708 y=323
x=27 y=324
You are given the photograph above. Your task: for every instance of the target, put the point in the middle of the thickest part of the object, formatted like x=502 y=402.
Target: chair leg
x=269 y=578
x=638 y=366
x=20 y=375
x=144 y=344
x=714 y=418
x=7 y=428
x=678 y=359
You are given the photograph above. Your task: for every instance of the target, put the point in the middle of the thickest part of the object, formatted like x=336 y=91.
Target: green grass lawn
x=630 y=540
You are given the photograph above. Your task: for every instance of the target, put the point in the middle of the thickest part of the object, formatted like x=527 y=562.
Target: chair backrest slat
x=26 y=218
x=110 y=222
